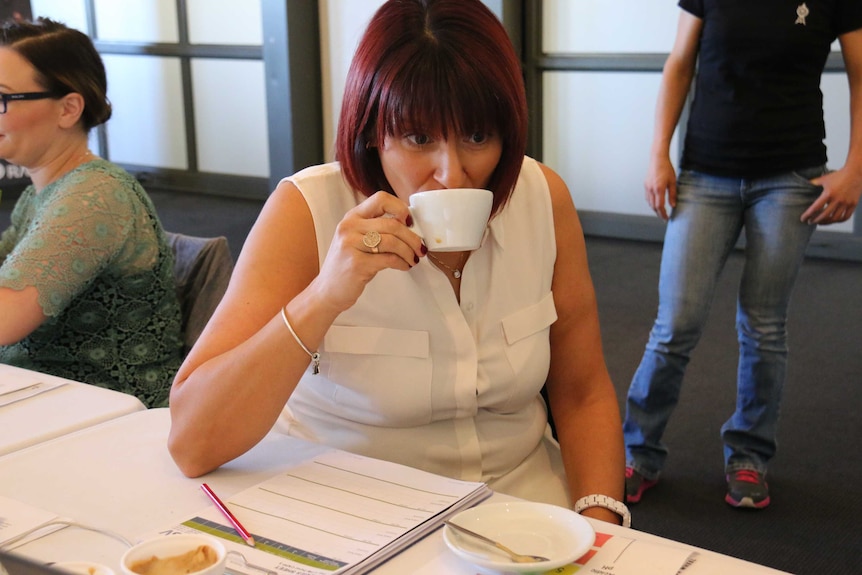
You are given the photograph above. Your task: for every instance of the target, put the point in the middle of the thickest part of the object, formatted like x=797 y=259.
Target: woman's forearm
x=225 y=405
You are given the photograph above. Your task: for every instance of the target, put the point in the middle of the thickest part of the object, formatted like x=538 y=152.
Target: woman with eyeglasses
x=86 y=275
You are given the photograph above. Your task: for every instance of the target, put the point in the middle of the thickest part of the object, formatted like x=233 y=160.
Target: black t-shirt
x=757 y=106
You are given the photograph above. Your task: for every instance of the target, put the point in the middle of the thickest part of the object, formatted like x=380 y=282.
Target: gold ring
x=372 y=240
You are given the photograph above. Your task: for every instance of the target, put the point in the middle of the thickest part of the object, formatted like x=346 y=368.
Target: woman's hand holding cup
x=373 y=236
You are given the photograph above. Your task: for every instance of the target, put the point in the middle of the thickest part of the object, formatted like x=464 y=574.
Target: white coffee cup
x=451 y=220
x=172 y=545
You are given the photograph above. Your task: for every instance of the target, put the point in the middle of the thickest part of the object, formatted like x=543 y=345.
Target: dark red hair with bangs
x=432 y=66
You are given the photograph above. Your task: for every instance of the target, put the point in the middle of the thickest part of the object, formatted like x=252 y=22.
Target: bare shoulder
x=278 y=258
x=276 y=263
x=567 y=230
x=561 y=198
x=555 y=181
x=283 y=235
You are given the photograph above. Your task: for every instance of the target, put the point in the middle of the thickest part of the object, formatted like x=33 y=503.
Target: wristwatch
x=599 y=500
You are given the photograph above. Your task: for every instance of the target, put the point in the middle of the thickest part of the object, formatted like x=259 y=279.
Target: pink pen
x=246 y=536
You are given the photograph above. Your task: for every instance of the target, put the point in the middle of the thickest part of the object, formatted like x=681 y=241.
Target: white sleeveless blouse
x=410 y=375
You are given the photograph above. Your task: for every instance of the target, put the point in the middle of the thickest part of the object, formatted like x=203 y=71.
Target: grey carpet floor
x=811 y=525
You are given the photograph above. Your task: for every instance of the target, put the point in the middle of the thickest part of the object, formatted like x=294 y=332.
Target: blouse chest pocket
x=380 y=376
x=526 y=334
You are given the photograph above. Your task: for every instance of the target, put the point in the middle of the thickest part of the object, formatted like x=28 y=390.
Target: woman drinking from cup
x=338 y=328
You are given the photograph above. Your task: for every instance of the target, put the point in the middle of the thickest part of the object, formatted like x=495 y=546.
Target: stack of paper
x=338 y=513
x=20 y=522
x=13 y=392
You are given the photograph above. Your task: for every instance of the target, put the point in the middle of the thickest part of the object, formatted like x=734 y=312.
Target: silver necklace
x=456 y=272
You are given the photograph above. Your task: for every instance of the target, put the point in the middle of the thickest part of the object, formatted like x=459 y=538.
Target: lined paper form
x=337 y=513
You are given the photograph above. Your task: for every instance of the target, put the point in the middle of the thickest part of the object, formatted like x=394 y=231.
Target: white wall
x=598 y=125
x=599 y=26
x=341 y=25
x=597 y=132
x=70 y=12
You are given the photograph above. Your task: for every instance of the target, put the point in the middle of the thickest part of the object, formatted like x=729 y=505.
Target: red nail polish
x=424 y=249
x=409 y=221
x=416 y=259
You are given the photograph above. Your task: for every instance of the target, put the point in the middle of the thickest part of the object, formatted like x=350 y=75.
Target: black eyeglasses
x=6 y=98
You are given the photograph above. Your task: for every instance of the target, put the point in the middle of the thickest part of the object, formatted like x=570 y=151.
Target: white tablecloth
x=120 y=477
x=64 y=409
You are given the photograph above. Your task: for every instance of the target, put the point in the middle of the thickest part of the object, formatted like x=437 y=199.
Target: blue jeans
x=710 y=214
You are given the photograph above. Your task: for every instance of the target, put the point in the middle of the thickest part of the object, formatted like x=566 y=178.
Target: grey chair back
x=202 y=269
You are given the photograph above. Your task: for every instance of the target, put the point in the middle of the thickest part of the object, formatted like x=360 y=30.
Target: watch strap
x=607 y=502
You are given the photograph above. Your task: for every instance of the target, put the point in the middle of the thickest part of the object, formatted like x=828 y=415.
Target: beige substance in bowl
x=190 y=562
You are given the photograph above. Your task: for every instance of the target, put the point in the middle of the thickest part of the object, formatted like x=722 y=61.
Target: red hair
x=431 y=66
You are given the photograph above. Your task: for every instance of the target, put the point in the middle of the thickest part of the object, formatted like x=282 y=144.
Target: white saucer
x=554 y=532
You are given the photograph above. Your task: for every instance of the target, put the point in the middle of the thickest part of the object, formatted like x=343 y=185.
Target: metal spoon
x=516 y=557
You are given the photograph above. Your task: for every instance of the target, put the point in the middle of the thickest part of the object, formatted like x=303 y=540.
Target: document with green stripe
x=335 y=513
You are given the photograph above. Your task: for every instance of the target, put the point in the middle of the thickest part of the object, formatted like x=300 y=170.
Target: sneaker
x=747 y=488
x=636 y=484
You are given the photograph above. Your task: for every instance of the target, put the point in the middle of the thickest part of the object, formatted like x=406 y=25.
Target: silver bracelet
x=599 y=500
x=315 y=356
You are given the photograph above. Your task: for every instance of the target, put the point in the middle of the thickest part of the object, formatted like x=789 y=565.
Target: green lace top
x=92 y=245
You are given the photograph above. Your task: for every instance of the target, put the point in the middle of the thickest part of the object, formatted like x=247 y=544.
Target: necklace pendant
x=456 y=273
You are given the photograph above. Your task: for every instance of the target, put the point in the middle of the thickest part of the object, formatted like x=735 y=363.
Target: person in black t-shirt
x=753 y=160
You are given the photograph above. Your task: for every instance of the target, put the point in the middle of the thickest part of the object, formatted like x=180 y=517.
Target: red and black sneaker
x=636 y=484
x=747 y=488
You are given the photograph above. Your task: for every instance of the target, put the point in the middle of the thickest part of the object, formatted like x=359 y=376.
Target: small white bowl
x=84 y=568
x=554 y=532
x=172 y=545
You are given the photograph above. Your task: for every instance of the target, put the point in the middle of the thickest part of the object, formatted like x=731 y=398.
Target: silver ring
x=372 y=240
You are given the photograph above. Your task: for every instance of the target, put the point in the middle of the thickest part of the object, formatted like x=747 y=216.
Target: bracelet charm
x=315 y=356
